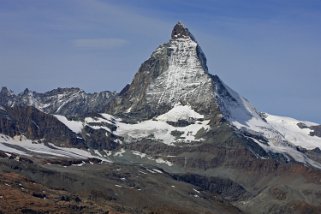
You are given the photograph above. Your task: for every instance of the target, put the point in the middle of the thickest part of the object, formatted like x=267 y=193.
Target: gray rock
x=176 y=72
x=65 y=101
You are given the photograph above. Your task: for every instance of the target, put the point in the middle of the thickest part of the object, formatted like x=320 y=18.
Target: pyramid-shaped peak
x=175 y=73
x=180 y=31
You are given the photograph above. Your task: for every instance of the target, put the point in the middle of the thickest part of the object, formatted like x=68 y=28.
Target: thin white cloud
x=99 y=43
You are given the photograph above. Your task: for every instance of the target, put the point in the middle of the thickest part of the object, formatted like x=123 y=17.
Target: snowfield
x=75 y=126
x=180 y=112
x=282 y=133
x=159 y=129
x=22 y=146
x=290 y=130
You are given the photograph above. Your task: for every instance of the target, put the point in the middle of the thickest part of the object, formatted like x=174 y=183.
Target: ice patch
x=110 y=117
x=97 y=152
x=158 y=171
x=8 y=154
x=81 y=164
x=100 y=127
x=141 y=155
x=180 y=112
x=160 y=130
x=40 y=148
x=120 y=153
x=293 y=133
x=108 y=153
x=142 y=172
x=151 y=171
x=162 y=161
x=157 y=160
x=75 y=126
x=196 y=191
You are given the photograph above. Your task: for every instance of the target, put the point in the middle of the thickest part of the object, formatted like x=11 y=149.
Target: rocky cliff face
x=65 y=101
x=33 y=124
x=316 y=131
x=176 y=73
x=29 y=122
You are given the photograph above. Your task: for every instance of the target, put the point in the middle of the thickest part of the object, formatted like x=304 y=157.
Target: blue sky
x=269 y=51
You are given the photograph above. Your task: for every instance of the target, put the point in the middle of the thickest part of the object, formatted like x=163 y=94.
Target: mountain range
x=176 y=139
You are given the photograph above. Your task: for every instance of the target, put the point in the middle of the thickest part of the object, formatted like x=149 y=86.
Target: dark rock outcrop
x=180 y=31
x=316 y=131
x=36 y=125
x=226 y=188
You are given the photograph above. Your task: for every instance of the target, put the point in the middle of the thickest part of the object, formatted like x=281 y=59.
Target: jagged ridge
x=65 y=101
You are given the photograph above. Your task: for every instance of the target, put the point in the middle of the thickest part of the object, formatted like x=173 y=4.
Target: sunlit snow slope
x=282 y=134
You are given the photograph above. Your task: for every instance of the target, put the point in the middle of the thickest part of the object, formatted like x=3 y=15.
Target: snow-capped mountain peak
x=65 y=101
x=273 y=133
x=176 y=72
x=172 y=99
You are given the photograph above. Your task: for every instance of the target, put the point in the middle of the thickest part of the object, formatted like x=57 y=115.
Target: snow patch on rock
x=290 y=130
x=160 y=130
x=185 y=80
x=180 y=112
x=282 y=134
x=30 y=148
x=75 y=126
x=157 y=160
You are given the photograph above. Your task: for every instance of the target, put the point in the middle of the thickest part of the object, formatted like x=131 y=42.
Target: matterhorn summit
x=176 y=72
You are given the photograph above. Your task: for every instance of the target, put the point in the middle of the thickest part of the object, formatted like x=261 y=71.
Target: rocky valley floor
x=36 y=186
x=27 y=187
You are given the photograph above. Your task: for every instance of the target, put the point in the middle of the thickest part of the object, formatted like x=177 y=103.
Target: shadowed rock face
x=224 y=187
x=39 y=126
x=180 y=31
x=316 y=131
x=34 y=124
